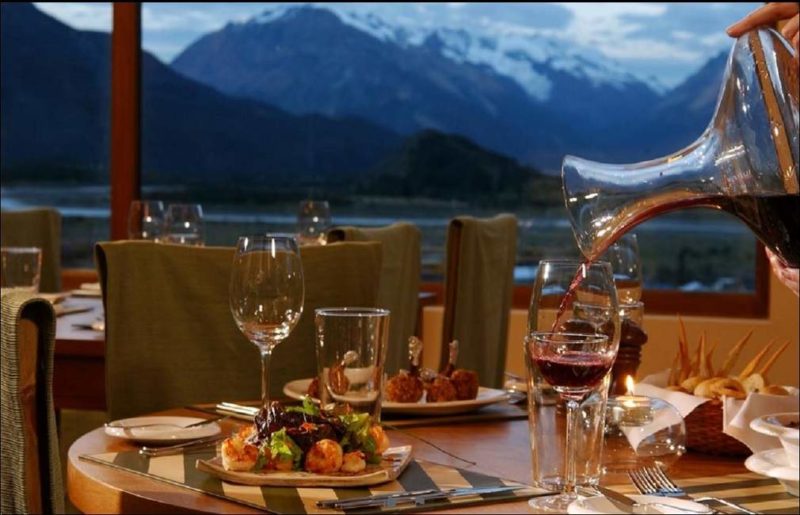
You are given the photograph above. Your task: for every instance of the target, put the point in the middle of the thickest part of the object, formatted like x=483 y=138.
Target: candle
x=630 y=409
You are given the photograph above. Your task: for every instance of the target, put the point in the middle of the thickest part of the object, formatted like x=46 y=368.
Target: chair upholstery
x=479 y=282
x=31 y=469
x=171 y=339
x=400 y=278
x=38 y=227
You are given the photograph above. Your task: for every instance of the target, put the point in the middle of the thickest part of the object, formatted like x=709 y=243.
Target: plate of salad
x=301 y=447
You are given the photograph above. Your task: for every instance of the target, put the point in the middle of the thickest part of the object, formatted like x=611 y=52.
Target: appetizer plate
x=298 y=388
x=394 y=462
x=774 y=463
x=600 y=504
x=785 y=427
x=167 y=433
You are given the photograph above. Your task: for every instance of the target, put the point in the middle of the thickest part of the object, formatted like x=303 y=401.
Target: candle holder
x=641 y=431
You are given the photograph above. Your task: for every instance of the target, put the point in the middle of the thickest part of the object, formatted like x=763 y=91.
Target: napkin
x=736 y=414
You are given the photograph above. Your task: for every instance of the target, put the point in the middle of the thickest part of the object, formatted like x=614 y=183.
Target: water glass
x=351 y=351
x=313 y=220
x=183 y=224
x=145 y=220
x=20 y=268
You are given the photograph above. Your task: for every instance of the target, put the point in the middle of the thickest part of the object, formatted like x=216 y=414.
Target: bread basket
x=704 y=432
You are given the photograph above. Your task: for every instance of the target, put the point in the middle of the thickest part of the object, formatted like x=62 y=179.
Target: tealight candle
x=630 y=409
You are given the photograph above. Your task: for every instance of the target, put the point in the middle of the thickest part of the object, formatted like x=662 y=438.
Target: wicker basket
x=704 y=432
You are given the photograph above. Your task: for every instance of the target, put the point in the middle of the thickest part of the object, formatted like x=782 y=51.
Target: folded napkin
x=737 y=414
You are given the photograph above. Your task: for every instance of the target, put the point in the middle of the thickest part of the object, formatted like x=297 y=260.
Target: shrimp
x=353 y=462
x=237 y=453
x=381 y=439
x=324 y=457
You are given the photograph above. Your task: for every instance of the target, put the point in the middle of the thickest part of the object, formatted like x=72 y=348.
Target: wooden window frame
x=126 y=186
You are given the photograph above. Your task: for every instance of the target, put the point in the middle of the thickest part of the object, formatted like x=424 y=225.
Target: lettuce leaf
x=357 y=437
x=282 y=447
x=308 y=408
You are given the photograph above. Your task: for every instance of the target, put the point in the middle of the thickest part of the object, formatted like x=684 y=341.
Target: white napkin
x=736 y=417
x=736 y=414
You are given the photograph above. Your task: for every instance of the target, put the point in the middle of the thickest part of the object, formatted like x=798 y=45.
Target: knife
x=418 y=497
x=628 y=505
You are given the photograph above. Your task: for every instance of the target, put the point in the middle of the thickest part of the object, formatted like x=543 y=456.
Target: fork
x=653 y=481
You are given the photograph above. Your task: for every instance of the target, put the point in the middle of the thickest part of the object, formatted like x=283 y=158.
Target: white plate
x=297 y=389
x=165 y=434
x=600 y=504
x=775 y=463
x=774 y=424
x=387 y=470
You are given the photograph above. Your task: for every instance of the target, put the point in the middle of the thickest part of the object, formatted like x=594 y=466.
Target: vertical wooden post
x=125 y=177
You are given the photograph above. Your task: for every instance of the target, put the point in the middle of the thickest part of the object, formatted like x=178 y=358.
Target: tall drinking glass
x=573 y=337
x=183 y=224
x=351 y=352
x=266 y=294
x=20 y=268
x=313 y=219
x=145 y=220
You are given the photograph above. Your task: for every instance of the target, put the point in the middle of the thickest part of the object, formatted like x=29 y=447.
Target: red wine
x=574 y=369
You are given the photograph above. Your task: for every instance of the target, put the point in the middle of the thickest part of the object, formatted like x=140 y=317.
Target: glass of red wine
x=573 y=338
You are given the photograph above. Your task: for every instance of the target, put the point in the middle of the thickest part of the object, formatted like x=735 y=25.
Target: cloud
x=80 y=15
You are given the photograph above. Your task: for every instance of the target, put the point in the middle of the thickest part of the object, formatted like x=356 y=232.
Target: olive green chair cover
x=38 y=227
x=30 y=473
x=479 y=282
x=400 y=278
x=171 y=339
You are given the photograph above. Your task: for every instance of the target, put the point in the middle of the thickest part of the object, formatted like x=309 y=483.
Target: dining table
x=498 y=448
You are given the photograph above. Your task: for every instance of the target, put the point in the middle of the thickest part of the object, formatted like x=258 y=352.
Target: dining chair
x=36 y=227
x=31 y=480
x=171 y=339
x=399 y=284
x=479 y=282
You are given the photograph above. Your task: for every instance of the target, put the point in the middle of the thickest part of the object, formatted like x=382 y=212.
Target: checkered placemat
x=755 y=492
x=179 y=469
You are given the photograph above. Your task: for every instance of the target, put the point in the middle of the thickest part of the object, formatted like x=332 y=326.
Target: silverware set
x=417 y=497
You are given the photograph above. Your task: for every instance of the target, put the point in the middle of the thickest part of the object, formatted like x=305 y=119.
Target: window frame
x=125 y=183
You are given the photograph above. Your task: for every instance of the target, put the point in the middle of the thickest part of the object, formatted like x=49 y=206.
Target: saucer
x=166 y=434
x=775 y=463
x=600 y=504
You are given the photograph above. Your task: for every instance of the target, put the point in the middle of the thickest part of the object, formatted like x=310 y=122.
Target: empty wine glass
x=266 y=294
x=313 y=219
x=626 y=265
x=572 y=342
x=183 y=224
x=145 y=220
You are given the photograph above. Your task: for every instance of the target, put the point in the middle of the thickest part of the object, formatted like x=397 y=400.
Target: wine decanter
x=745 y=162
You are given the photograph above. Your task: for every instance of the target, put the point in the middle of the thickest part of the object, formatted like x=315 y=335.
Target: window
x=55 y=117
x=427 y=111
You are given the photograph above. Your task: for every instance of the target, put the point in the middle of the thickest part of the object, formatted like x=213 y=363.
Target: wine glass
x=313 y=219
x=183 y=224
x=626 y=265
x=145 y=220
x=572 y=342
x=266 y=294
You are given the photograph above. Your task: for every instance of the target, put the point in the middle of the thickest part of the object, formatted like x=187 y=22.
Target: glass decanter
x=745 y=162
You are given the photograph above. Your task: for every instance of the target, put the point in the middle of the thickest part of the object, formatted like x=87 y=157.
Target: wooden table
x=502 y=450
x=79 y=371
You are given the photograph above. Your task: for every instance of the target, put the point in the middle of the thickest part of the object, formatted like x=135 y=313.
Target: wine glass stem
x=572 y=423
x=266 y=354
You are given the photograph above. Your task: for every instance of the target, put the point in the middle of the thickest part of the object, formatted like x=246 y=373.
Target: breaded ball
x=404 y=388
x=353 y=462
x=324 y=457
x=441 y=390
x=381 y=439
x=465 y=383
x=237 y=455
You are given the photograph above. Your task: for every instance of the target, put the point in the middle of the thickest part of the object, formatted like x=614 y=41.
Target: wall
x=783 y=324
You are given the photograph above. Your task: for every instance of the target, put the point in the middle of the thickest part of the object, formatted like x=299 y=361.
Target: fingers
x=767 y=14
x=791 y=278
x=789 y=31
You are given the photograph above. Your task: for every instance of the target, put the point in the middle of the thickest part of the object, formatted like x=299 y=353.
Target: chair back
x=171 y=339
x=399 y=285
x=38 y=227
x=479 y=282
x=31 y=469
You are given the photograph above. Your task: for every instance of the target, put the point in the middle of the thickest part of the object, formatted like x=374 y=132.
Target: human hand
x=771 y=13
x=788 y=276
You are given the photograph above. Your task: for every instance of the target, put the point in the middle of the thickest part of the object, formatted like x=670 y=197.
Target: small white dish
x=778 y=424
x=164 y=434
x=774 y=463
x=600 y=504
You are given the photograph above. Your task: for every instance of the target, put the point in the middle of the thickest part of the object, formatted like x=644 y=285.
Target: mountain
x=308 y=60
x=55 y=91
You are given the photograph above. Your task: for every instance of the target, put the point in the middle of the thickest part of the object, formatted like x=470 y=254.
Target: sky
x=668 y=41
